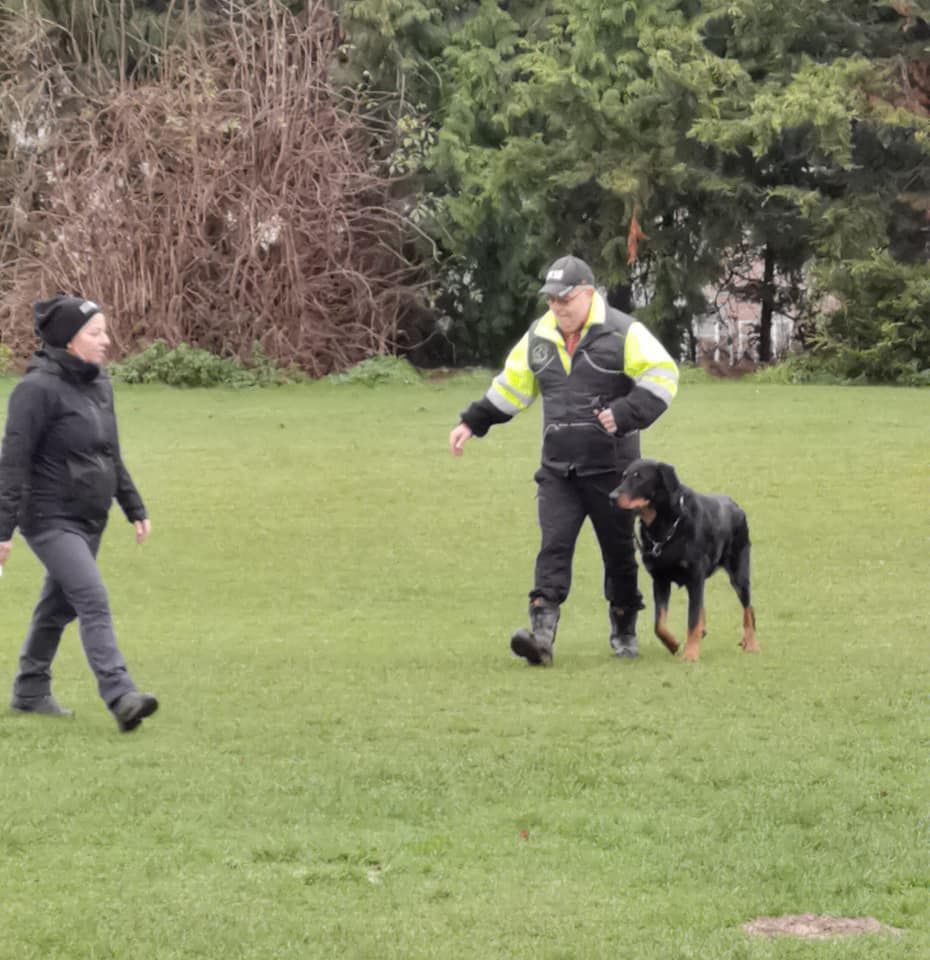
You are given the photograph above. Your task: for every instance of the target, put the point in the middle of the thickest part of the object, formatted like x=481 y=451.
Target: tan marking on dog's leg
x=666 y=635
x=749 y=643
x=693 y=643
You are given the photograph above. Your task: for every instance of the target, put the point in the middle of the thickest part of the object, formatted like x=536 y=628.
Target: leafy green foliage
x=415 y=140
x=379 y=370
x=736 y=131
x=7 y=360
x=805 y=368
x=187 y=366
x=879 y=331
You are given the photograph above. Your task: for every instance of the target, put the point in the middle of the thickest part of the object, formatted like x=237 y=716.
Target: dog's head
x=645 y=484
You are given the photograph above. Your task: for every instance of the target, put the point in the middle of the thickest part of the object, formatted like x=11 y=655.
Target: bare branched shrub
x=230 y=201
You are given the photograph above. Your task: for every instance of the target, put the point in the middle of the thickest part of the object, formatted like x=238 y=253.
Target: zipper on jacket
x=98 y=423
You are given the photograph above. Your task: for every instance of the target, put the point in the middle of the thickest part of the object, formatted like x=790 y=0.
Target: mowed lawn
x=348 y=763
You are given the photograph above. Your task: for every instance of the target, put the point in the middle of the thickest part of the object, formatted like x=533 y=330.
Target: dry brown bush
x=227 y=202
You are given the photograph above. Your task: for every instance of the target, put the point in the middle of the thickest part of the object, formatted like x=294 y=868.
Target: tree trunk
x=768 y=306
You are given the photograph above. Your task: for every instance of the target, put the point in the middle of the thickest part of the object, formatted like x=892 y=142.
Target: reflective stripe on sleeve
x=506 y=397
x=660 y=383
x=647 y=362
x=515 y=387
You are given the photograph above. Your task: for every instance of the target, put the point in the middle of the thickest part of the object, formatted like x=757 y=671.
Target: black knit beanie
x=59 y=319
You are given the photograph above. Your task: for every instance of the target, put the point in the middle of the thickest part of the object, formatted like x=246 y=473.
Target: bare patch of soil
x=810 y=926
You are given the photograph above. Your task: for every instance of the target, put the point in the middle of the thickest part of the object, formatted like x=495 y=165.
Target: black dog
x=685 y=537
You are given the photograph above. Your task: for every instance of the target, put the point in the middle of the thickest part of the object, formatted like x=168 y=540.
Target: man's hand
x=458 y=437
x=143 y=529
x=607 y=420
x=5 y=547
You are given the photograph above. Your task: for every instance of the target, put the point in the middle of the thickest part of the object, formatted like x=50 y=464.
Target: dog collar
x=658 y=546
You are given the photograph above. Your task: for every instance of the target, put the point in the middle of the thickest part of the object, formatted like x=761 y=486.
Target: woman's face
x=91 y=341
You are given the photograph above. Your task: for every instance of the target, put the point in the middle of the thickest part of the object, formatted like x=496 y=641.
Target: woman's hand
x=143 y=529
x=5 y=547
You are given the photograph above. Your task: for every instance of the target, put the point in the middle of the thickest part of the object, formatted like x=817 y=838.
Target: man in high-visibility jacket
x=603 y=377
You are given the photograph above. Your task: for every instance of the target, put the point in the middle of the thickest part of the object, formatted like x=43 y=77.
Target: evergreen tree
x=806 y=127
x=697 y=140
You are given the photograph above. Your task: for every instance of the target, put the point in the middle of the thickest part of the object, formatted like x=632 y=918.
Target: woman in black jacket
x=60 y=468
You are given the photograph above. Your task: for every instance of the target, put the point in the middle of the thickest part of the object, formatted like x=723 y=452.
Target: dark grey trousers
x=73 y=588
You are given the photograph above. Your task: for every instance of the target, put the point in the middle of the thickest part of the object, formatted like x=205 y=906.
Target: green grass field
x=348 y=762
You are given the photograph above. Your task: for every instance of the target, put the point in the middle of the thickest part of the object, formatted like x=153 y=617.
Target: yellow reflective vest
x=617 y=363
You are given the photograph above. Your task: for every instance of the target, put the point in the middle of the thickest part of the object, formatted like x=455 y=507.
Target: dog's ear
x=668 y=478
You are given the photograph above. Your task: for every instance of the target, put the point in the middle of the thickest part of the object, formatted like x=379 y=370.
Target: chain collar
x=658 y=546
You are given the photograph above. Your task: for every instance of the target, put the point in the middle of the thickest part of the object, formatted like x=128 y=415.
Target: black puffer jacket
x=60 y=465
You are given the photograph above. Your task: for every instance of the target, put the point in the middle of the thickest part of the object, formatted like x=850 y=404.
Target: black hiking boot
x=623 y=640
x=535 y=645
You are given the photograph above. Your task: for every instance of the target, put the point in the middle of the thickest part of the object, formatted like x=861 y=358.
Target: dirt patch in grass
x=810 y=926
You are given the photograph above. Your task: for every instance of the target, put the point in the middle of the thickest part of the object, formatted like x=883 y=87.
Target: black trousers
x=563 y=504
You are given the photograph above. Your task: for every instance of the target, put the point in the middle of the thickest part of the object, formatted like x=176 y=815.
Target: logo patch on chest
x=540 y=353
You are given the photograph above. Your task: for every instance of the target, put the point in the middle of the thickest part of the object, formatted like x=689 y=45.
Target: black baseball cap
x=566 y=274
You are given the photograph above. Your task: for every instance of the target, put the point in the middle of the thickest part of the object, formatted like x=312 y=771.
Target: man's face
x=571 y=310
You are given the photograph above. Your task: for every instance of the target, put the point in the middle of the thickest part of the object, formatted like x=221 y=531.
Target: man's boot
x=535 y=645
x=623 y=640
